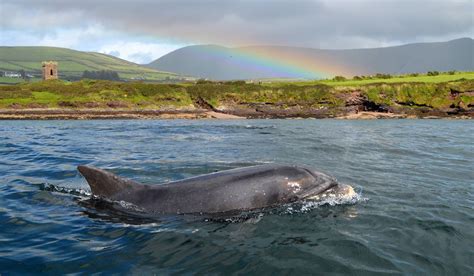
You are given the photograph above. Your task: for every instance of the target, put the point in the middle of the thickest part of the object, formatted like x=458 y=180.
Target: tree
x=203 y=81
x=382 y=76
x=22 y=73
x=339 y=78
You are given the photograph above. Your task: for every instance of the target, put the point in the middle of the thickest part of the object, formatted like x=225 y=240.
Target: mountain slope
x=72 y=63
x=216 y=62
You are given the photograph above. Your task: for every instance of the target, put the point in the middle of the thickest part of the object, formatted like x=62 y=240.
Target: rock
x=15 y=106
x=37 y=105
x=67 y=104
x=91 y=105
x=116 y=104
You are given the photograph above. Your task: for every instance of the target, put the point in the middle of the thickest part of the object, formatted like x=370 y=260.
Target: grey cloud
x=306 y=23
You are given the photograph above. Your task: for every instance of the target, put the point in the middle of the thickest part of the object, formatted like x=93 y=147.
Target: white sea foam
x=130 y=206
x=64 y=190
x=326 y=199
x=196 y=137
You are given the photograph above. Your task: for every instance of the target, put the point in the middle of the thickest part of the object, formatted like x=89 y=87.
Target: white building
x=12 y=75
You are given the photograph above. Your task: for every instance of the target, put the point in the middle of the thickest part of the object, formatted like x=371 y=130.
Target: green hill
x=250 y=63
x=73 y=63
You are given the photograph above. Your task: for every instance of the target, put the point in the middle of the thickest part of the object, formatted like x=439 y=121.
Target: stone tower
x=50 y=70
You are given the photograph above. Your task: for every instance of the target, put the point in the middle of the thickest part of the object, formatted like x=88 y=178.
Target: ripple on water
x=416 y=174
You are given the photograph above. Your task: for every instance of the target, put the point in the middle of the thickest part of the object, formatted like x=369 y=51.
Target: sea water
x=413 y=215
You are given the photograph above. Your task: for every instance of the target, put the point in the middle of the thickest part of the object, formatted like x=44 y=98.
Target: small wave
x=238 y=127
x=259 y=127
x=84 y=193
x=194 y=137
x=122 y=209
x=130 y=206
x=58 y=189
x=306 y=206
x=255 y=216
x=247 y=217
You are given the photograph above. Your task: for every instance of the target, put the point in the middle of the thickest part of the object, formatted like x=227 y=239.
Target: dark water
x=414 y=177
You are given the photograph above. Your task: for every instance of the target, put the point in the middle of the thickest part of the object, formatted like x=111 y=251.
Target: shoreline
x=99 y=114
x=88 y=99
x=191 y=114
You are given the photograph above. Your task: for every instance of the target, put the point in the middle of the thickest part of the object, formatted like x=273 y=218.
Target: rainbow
x=277 y=61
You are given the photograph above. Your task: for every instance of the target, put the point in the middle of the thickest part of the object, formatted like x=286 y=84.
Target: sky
x=143 y=30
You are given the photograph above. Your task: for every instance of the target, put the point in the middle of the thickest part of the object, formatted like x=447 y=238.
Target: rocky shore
x=260 y=112
x=356 y=105
x=235 y=100
x=89 y=114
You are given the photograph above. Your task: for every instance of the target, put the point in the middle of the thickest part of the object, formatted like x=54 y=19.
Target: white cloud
x=73 y=38
x=93 y=38
x=138 y=52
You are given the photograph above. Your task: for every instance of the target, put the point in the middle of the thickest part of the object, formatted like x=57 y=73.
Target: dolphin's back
x=236 y=189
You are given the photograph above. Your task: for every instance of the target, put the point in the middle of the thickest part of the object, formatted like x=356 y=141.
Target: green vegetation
x=73 y=63
x=93 y=94
x=364 y=80
x=430 y=95
x=138 y=95
x=231 y=93
x=101 y=75
x=7 y=80
x=339 y=78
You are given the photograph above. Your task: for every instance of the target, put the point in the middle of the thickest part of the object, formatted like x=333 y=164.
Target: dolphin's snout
x=347 y=191
x=340 y=191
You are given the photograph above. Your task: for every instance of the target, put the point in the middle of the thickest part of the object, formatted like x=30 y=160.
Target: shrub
x=433 y=73
x=339 y=78
x=203 y=81
x=237 y=82
x=383 y=76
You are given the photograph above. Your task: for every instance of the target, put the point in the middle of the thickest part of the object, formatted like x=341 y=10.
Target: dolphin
x=240 y=189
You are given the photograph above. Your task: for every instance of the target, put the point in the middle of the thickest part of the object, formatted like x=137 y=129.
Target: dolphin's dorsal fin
x=104 y=183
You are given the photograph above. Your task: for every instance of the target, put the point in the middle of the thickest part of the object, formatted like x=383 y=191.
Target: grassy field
x=6 y=80
x=423 y=78
x=73 y=63
x=92 y=94
x=137 y=95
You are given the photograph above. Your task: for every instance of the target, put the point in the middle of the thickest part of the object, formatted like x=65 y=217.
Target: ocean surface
x=413 y=215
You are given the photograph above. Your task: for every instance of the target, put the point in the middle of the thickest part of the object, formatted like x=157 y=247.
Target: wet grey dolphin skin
x=225 y=191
